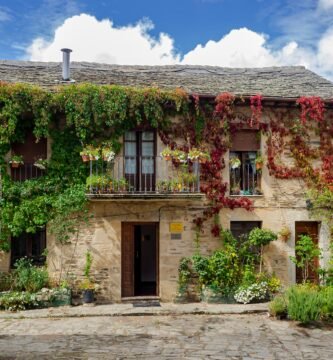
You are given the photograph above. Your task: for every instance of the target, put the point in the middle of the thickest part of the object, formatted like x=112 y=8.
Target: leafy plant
x=306 y=252
x=304 y=304
x=14 y=301
x=278 y=306
x=261 y=237
x=28 y=277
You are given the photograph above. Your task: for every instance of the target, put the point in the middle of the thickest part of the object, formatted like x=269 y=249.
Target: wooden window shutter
x=245 y=140
x=127 y=260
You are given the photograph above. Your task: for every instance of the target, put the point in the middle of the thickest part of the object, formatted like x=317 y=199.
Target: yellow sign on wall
x=176 y=227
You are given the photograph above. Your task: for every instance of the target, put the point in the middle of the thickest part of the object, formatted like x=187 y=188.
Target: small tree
x=306 y=251
x=261 y=237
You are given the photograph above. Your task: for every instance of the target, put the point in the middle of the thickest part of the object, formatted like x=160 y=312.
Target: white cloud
x=325 y=4
x=100 y=41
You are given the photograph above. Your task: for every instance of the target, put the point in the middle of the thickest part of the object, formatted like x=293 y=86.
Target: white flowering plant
x=256 y=292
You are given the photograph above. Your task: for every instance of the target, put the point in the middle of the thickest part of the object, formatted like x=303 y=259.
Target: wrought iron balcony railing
x=142 y=175
x=26 y=171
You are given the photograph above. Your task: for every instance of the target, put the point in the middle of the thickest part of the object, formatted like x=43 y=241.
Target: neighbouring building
x=139 y=233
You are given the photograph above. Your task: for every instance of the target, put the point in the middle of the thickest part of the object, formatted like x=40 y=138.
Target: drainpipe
x=66 y=64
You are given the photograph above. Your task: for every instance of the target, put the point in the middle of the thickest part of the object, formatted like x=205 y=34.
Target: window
x=244 y=172
x=31 y=246
x=31 y=151
x=241 y=228
x=140 y=152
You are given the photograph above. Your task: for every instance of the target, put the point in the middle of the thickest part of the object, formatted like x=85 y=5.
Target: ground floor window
x=31 y=246
x=241 y=229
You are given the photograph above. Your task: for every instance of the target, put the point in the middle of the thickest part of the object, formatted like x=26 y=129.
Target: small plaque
x=176 y=236
x=176 y=227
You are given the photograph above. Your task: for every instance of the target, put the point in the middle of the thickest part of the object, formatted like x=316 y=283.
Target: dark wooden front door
x=309 y=228
x=139 y=255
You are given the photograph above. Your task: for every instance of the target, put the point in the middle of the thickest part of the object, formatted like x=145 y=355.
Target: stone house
x=138 y=237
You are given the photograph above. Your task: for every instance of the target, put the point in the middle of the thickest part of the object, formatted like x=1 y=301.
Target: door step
x=142 y=301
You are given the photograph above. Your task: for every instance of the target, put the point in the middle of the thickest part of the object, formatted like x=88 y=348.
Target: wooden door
x=309 y=228
x=127 y=260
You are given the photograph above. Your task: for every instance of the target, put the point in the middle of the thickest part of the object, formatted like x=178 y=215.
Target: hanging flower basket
x=16 y=161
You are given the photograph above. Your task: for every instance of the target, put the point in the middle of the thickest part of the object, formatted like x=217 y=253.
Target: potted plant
x=259 y=161
x=87 y=285
x=163 y=186
x=85 y=155
x=41 y=164
x=235 y=162
x=285 y=233
x=16 y=161
x=122 y=185
x=108 y=154
x=167 y=153
x=179 y=156
x=235 y=190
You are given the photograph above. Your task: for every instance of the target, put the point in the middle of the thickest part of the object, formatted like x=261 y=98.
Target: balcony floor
x=128 y=196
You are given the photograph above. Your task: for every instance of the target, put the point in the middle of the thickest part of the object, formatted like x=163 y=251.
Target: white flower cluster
x=254 y=292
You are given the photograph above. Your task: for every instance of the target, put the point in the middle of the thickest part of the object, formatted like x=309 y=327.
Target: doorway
x=310 y=228
x=139 y=259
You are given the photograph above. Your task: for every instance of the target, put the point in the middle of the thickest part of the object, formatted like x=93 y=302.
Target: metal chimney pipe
x=66 y=64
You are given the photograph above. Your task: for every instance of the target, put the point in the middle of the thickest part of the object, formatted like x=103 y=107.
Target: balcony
x=26 y=171
x=143 y=177
x=245 y=176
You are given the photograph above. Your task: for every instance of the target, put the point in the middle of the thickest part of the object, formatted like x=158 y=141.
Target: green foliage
x=184 y=273
x=278 y=306
x=306 y=251
x=6 y=281
x=87 y=267
x=261 y=237
x=327 y=307
x=28 y=277
x=304 y=304
x=14 y=301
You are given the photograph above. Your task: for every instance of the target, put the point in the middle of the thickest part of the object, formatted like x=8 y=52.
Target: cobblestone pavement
x=162 y=337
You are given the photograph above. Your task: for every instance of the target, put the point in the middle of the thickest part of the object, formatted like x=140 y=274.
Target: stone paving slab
x=234 y=336
x=128 y=310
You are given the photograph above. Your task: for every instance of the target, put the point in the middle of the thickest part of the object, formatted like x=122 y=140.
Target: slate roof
x=281 y=82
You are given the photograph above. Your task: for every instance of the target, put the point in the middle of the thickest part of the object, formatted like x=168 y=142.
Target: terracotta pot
x=15 y=165
x=85 y=158
x=202 y=160
x=259 y=166
x=167 y=157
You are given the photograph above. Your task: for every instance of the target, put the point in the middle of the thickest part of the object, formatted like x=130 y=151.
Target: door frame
x=157 y=232
x=316 y=260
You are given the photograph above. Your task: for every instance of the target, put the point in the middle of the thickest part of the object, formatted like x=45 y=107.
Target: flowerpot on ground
x=88 y=296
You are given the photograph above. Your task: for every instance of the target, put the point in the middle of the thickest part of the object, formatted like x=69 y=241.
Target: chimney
x=66 y=64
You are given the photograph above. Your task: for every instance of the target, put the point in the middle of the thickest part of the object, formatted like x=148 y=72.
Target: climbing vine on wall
x=76 y=115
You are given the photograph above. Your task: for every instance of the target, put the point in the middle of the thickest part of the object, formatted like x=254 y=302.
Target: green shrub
x=15 y=301
x=327 y=307
x=304 y=303
x=278 y=306
x=6 y=281
x=28 y=277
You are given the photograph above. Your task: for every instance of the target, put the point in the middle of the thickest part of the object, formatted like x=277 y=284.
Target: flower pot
x=85 y=158
x=15 y=164
x=88 y=296
x=259 y=166
x=202 y=160
x=167 y=157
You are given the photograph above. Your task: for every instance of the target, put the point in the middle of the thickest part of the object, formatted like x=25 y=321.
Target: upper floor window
x=140 y=159
x=244 y=170
x=30 y=151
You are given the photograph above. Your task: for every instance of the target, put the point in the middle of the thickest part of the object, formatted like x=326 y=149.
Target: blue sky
x=216 y=32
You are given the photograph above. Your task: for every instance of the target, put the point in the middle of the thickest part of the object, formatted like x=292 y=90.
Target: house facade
x=144 y=218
